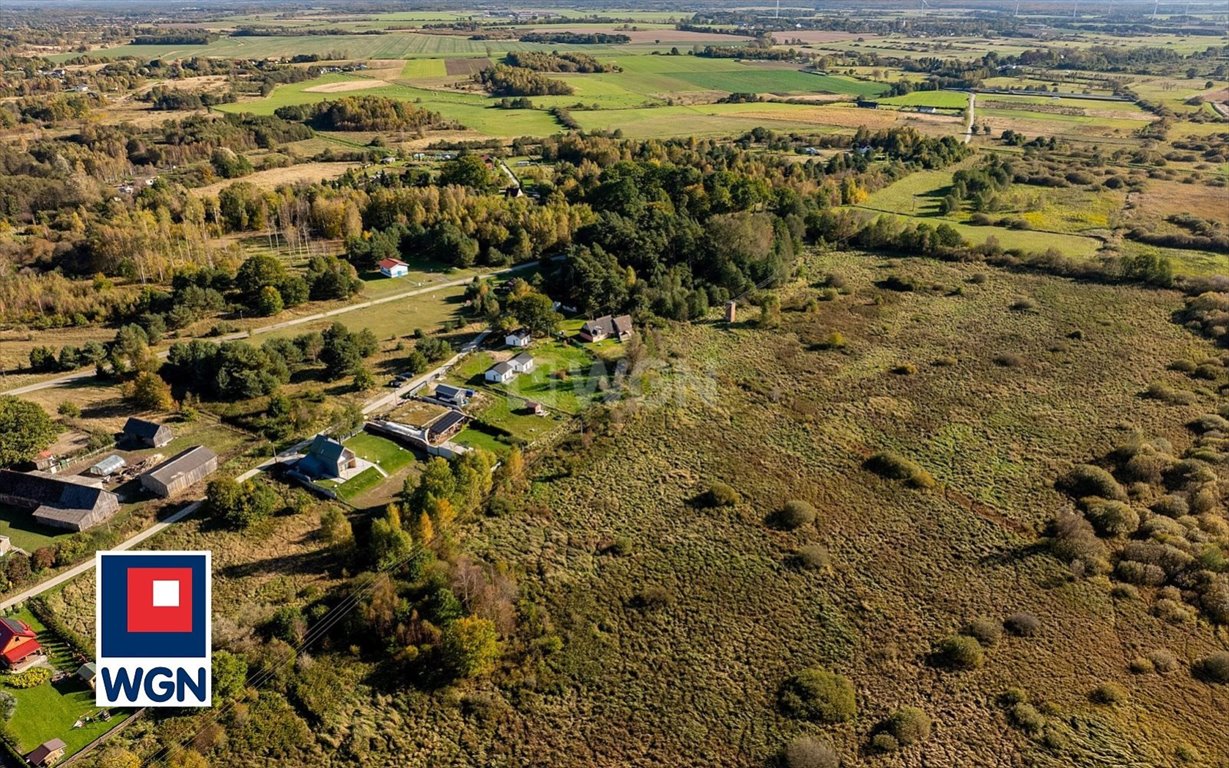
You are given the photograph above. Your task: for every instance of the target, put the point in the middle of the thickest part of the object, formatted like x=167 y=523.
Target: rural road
x=968 y=123
x=72 y=378
x=375 y=404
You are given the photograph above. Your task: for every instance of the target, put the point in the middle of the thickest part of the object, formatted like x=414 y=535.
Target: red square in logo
x=159 y=599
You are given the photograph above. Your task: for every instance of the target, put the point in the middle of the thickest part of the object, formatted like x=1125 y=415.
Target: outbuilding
x=47 y=754
x=147 y=434
x=108 y=466
x=181 y=471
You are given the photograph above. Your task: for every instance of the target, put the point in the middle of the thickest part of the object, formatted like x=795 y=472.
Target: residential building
x=394 y=268
x=501 y=373
x=450 y=395
x=18 y=643
x=522 y=363
x=147 y=434
x=607 y=327
x=67 y=502
x=327 y=458
x=47 y=754
x=445 y=426
x=181 y=471
x=520 y=338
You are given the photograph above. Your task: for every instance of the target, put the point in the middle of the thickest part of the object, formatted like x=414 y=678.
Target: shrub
x=1110 y=518
x=896 y=467
x=818 y=695
x=1213 y=669
x=959 y=652
x=1009 y=360
x=31 y=678
x=795 y=514
x=1183 y=365
x=810 y=752
x=834 y=340
x=884 y=742
x=984 y=629
x=721 y=495
x=1159 y=390
x=908 y=725
x=904 y=369
x=1089 y=480
x=1141 y=665
x=1171 y=505
x=1023 y=304
x=1163 y=661
x=1012 y=696
x=1109 y=694
x=1022 y=624
x=945 y=362
x=812 y=557
x=1026 y=717
x=652 y=598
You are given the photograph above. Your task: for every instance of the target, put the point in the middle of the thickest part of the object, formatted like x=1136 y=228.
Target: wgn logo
x=153 y=629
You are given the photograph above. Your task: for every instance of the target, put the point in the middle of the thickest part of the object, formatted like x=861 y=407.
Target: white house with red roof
x=394 y=268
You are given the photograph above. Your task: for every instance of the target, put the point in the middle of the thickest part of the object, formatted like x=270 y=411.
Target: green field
x=936 y=99
x=378 y=450
x=23 y=532
x=50 y=711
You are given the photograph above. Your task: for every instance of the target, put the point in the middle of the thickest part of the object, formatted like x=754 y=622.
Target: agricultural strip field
x=936 y=99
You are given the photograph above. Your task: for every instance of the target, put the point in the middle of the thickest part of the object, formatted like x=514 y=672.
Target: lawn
x=359 y=484
x=19 y=526
x=937 y=99
x=378 y=450
x=46 y=711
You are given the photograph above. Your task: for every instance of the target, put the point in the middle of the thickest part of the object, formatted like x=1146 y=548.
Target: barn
x=181 y=471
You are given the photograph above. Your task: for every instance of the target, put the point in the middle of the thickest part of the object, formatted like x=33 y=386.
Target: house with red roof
x=394 y=268
x=18 y=643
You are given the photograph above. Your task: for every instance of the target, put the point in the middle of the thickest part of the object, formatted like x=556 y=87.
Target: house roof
x=500 y=368
x=390 y=263
x=447 y=390
x=446 y=422
x=142 y=428
x=48 y=491
x=522 y=359
x=328 y=450
x=603 y=324
x=519 y=333
x=45 y=750
x=10 y=628
x=87 y=671
x=181 y=463
x=622 y=324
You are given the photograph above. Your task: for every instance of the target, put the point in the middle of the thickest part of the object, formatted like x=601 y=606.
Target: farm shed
x=180 y=471
x=146 y=433
x=108 y=466
x=59 y=502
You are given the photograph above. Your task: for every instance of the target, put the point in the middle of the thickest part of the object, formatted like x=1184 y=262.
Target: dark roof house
x=606 y=327
x=59 y=502
x=327 y=458
x=182 y=470
x=46 y=754
x=147 y=433
x=453 y=395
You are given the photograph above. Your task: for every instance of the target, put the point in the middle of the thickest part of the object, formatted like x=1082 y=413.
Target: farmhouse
x=18 y=644
x=450 y=395
x=394 y=268
x=501 y=373
x=46 y=754
x=107 y=467
x=522 y=363
x=327 y=458
x=606 y=327
x=145 y=433
x=182 y=470
x=535 y=408
x=60 y=502
x=519 y=338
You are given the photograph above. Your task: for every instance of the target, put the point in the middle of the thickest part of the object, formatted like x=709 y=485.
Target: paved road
x=71 y=378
